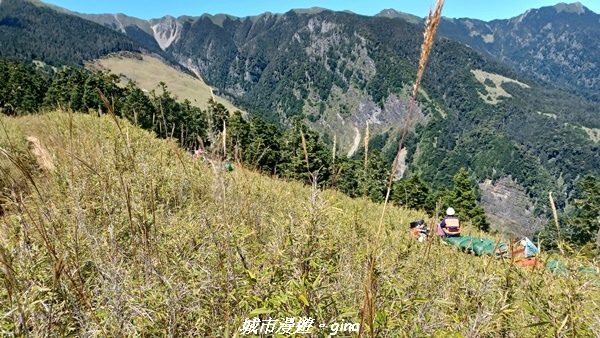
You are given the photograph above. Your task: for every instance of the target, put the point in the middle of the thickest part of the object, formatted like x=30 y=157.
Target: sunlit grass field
x=148 y=71
x=125 y=235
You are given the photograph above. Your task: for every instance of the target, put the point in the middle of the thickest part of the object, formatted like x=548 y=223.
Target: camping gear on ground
x=557 y=267
x=529 y=251
x=440 y=232
x=478 y=246
x=529 y=262
x=485 y=246
x=419 y=230
x=588 y=271
x=228 y=166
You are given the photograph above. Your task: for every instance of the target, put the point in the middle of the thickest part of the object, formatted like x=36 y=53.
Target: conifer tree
x=585 y=219
x=263 y=148
x=462 y=199
x=238 y=135
x=346 y=175
x=137 y=107
x=293 y=158
x=413 y=193
x=373 y=178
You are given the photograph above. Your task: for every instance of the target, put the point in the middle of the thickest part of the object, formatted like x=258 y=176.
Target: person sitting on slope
x=450 y=225
x=199 y=153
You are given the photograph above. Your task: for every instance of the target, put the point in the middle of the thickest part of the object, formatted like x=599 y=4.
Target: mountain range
x=514 y=101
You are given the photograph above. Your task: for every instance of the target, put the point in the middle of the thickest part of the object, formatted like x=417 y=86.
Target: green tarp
x=477 y=246
x=560 y=269
x=484 y=246
x=590 y=272
x=556 y=267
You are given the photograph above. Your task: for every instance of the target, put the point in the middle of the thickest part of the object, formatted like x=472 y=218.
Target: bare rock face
x=351 y=128
x=166 y=31
x=508 y=208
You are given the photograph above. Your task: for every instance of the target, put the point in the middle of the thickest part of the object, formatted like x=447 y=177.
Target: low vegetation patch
x=550 y=115
x=128 y=235
x=493 y=85
x=593 y=133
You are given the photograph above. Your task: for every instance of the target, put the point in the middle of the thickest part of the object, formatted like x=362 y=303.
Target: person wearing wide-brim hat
x=450 y=225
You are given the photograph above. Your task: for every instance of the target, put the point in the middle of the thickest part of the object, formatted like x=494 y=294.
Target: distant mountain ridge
x=37 y=32
x=545 y=42
x=499 y=38
x=32 y=30
x=552 y=43
x=394 y=14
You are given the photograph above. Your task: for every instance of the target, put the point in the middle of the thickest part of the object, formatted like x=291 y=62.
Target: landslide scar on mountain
x=356 y=142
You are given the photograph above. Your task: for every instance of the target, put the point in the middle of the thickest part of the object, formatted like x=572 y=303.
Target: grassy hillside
x=148 y=71
x=126 y=235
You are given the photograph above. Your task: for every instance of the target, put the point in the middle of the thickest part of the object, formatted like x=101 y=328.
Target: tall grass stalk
x=367 y=147
x=305 y=152
x=333 y=150
x=431 y=24
x=555 y=215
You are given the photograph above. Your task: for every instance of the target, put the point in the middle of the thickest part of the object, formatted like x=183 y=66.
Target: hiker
x=450 y=225
x=199 y=153
x=419 y=230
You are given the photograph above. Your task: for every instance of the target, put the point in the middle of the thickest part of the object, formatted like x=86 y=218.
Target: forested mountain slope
x=29 y=32
x=557 y=43
x=352 y=66
x=339 y=71
x=35 y=31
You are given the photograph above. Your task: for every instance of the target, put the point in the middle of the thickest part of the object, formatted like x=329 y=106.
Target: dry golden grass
x=42 y=157
x=127 y=236
x=369 y=306
x=148 y=72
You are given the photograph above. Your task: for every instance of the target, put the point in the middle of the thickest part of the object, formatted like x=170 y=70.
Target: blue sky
x=147 y=9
